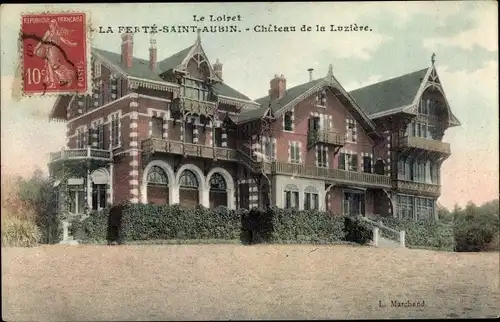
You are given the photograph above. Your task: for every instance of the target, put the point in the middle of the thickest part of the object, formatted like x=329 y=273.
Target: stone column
x=375 y=236
x=89 y=190
x=205 y=197
x=174 y=193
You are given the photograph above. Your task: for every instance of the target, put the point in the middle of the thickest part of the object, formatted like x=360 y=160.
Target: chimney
x=278 y=87
x=218 y=68
x=152 y=54
x=127 y=49
x=310 y=70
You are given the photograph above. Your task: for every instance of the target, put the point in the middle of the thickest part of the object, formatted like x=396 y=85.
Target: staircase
x=247 y=161
x=396 y=239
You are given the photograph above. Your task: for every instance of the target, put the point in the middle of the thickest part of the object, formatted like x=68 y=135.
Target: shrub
x=17 y=232
x=290 y=226
x=357 y=230
x=256 y=226
x=423 y=233
x=148 y=222
x=305 y=226
x=474 y=238
x=92 y=228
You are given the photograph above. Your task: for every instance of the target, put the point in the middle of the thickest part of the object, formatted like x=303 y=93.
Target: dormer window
x=288 y=121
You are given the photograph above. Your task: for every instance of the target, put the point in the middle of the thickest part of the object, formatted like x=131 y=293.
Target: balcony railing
x=198 y=107
x=154 y=145
x=325 y=137
x=424 y=144
x=418 y=187
x=78 y=154
x=300 y=170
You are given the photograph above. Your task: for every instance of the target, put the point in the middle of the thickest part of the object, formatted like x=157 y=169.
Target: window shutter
x=311 y=124
x=299 y=152
x=342 y=161
x=290 y=152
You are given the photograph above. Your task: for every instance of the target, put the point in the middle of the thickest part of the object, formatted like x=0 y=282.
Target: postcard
x=234 y=161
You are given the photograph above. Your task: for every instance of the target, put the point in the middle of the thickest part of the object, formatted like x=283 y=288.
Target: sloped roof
x=174 y=60
x=226 y=90
x=389 y=94
x=140 y=67
x=250 y=114
x=290 y=95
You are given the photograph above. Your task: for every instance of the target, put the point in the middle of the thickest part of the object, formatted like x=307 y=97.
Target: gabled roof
x=290 y=95
x=296 y=94
x=390 y=94
x=140 y=67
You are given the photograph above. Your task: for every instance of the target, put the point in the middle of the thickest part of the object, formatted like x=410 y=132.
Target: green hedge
x=132 y=223
x=357 y=230
x=423 y=233
x=92 y=228
x=299 y=226
x=147 y=222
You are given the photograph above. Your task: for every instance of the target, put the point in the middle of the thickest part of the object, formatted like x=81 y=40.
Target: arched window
x=218 y=191
x=217 y=182
x=188 y=189
x=188 y=180
x=291 y=196
x=157 y=190
x=311 y=198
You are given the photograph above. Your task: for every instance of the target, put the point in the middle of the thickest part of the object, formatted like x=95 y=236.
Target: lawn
x=214 y=282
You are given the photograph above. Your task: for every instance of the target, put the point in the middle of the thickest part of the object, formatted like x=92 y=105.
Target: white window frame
x=321 y=99
x=292 y=121
x=309 y=193
x=350 y=132
x=81 y=137
x=77 y=190
x=294 y=193
x=294 y=151
x=99 y=206
x=115 y=117
x=322 y=151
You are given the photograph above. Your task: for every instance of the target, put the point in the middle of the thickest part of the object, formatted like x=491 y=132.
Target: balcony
x=198 y=107
x=327 y=174
x=418 y=188
x=157 y=145
x=80 y=154
x=413 y=142
x=325 y=137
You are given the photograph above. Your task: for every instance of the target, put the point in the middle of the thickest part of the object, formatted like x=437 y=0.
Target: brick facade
x=133 y=120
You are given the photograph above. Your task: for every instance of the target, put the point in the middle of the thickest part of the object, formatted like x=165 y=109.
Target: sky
x=403 y=36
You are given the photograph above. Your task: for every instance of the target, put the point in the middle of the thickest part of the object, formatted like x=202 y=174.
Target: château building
x=173 y=131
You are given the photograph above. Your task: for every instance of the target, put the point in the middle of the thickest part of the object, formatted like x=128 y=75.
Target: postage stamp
x=54 y=52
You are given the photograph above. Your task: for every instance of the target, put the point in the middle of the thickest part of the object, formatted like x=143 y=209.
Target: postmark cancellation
x=55 y=52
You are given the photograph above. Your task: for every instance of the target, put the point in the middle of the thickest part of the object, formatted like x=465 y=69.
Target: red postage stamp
x=55 y=53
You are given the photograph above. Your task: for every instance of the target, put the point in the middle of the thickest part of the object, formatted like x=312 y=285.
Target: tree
x=444 y=214
x=38 y=192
